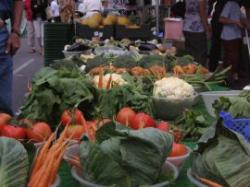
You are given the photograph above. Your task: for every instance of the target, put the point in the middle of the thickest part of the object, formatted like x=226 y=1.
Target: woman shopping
x=196 y=29
x=231 y=35
x=39 y=16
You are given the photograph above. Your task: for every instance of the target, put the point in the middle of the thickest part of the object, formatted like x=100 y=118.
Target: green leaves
x=53 y=91
x=14 y=163
x=124 y=157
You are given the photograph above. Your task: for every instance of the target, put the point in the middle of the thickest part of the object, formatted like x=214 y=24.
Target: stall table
x=182 y=181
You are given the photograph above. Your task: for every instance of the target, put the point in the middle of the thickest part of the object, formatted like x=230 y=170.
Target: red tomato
x=13 y=132
x=178 y=150
x=4 y=119
x=125 y=116
x=75 y=132
x=142 y=120
x=164 y=126
x=39 y=132
x=73 y=116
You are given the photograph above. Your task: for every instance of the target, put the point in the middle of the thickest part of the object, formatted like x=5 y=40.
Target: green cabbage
x=14 y=164
x=125 y=158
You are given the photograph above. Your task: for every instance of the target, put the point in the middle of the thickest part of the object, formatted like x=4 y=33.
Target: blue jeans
x=6 y=76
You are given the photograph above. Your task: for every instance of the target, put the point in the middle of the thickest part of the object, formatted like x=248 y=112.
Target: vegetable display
x=123 y=157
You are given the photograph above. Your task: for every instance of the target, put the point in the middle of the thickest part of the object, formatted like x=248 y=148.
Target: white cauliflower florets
x=116 y=80
x=173 y=88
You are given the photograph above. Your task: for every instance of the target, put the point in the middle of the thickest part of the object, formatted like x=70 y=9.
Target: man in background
x=9 y=44
x=216 y=7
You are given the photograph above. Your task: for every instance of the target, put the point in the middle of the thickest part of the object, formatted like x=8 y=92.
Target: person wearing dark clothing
x=216 y=26
x=39 y=16
x=9 y=44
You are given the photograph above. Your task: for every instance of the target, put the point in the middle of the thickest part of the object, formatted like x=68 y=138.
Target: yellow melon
x=107 y=21
x=122 y=20
x=84 y=21
x=112 y=17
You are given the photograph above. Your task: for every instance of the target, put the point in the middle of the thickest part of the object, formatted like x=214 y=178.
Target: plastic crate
x=142 y=33
x=56 y=36
x=86 y=32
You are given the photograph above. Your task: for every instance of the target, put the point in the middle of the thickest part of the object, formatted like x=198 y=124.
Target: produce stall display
x=124 y=113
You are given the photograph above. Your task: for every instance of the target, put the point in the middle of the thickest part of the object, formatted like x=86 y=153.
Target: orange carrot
x=100 y=83
x=208 y=182
x=42 y=154
x=55 y=167
x=109 y=82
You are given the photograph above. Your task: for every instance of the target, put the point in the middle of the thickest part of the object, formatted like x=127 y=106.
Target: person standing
x=9 y=44
x=90 y=7
x=231 y=35
x=196 y=29
x=30 y=26
x=215 y=49
x=39 y=17
x=54 y=7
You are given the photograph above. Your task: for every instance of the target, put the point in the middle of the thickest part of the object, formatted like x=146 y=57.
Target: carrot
x=109 y=82
x=55 y=167
x=208 y=182
x=47 y=172
x=42 y=154
x=100 y=83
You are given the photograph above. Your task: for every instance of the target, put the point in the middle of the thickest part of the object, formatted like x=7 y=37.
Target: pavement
x=25 y=66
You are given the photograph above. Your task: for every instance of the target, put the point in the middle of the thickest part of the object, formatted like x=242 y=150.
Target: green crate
x=56 y=35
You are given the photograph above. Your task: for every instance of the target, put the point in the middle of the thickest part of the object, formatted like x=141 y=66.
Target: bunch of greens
x=237 y=106
x=71 y=64
x=14 y=163
x=123 y=157
x=134 y=94
x=223 y=156
x=192 y=123
x=151 y=60
x=53 y=91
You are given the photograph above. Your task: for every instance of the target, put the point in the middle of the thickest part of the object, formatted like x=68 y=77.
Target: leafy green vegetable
x=14 y=163
x=151 y=60
x=192 y=123
x=53 y=91
x=132 y=94
x=96 y=62
x=124 y=62
x=71 y=63
x=223 y=157
x=125 y=158
x=238 y=107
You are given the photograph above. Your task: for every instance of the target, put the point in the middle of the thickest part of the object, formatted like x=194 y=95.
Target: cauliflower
x=117 y=80
x=173 y=88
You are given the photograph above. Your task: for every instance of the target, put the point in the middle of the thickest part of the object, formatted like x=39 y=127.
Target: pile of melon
x=98 y=21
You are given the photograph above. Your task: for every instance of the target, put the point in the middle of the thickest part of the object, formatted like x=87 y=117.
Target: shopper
x=54 y=7
x=39 y=17
x=215 y=49
x=196 y=29
x=231 y=36
x=30 y=26
x=9 y=44
x=90 y=7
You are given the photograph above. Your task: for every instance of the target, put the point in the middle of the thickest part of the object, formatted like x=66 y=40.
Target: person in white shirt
x=89 y=7
x=54 y=8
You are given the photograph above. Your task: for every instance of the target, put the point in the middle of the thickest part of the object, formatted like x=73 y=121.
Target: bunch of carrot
x=47 y=161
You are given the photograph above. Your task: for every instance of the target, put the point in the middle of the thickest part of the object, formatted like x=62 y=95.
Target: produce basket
x=193 y=180
x=86 y=32
x=210 y=97
x=168 y=109
x=168 y=167
x=142 y=33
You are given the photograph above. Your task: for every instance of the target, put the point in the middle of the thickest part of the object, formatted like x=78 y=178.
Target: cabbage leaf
x=14 y=163
x=125 y=158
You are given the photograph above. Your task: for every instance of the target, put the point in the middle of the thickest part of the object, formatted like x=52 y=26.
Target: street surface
x=25 y=65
